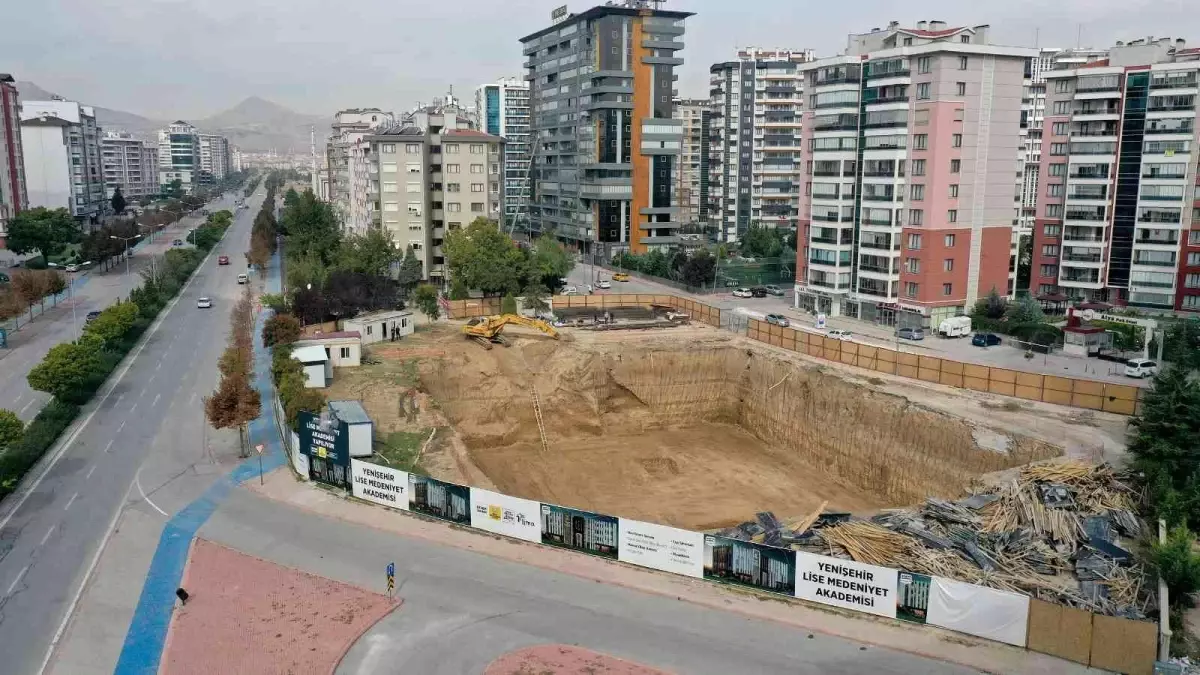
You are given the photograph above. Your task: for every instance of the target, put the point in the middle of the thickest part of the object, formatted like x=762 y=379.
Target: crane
x=487 y=330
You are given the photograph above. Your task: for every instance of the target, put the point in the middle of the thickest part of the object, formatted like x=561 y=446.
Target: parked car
x=778 y=320
x=758 y=292
x=177 y=242
x=604 y=283
x=911 y=334
x=1140 y=368
x=243 y=278
x=570 y=290
x=222 y=260
x=620 y=276
x=72 y=268
x=985 y=340
x=742 y=293
x=839 y=334
x=773 y=290
x=91 y=316
x=203 y=303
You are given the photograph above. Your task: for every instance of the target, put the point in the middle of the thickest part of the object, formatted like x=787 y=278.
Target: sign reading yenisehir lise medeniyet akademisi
x=379 y=484
x=846 y=584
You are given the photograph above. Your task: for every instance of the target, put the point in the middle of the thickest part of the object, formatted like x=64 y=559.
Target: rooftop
x=350 y=412
x=336 y=335
x=470 y=133
x=605 y=10
x=310 y=354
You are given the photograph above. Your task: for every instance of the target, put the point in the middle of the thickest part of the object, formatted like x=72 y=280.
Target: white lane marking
x=156 y=397
x=131 y=410
x=19 y=399
x=26 y=407
x=137 y=480
x=71 y=501
x=20 y=575
x=46 y=537
x=143 y=393
x=110 y=442
x=119 y=429
x=159 y=366
x=90 y=472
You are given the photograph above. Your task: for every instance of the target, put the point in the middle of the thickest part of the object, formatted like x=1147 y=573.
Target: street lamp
x=126 y=240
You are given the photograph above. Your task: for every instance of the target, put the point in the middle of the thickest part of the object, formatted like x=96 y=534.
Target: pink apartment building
x=911 y=142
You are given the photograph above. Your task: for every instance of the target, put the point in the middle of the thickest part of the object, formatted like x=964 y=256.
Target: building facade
x=1116 y=215
x=691 y=180
x=754 y=157
x=503 y=110
x=179 y=156
x=61 y=144
x=912 y=140
x=130 y=164
x=345 y=153
x=214 y=158
x=428 y=180
x=13 y=196
x=605 y=142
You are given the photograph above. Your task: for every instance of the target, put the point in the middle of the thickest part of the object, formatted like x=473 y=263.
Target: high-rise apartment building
x=428 y=180
x=214 y=158
x=130 y=164
x=235 y=158
x=691 y=180
x=605 y=141
x=503 y=110
x=755 y=168
x=346 y=156
x=912 y=139
x=1117 y=214
x=179 y=156
x=61 y=144
x=13 y=197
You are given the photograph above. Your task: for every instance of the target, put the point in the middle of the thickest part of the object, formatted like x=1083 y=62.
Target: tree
x=700 y=269
x=275 y=301
x=30 y=286
x=426 y=300
x=483 y=257
x=508 y=304
x=372 y=253
x=655 y=262
x=172 y=189
x=410 y=272
x=118 y=201
x=280 y=329
x=11 y=428
x=991 y=307
x=1181 y=343
x=234 y=404
x=459 y=290
x=761 y=242
x=550 y=262
x=1178 y=565
x=536 y=298
x=290 y=198
x=43 y=230
x=1024 y=262
x=312 y=229
x=69 y=372
x=111 y=325
x=1025 y=310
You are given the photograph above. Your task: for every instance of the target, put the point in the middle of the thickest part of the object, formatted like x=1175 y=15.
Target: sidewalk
x=924 y=641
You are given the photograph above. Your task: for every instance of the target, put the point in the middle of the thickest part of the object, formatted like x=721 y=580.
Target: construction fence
x=1079 y=393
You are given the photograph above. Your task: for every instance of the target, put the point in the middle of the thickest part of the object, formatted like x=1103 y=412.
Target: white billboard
x=660 y=547
x=509 y=516
x=846 y=584
x=379 y=484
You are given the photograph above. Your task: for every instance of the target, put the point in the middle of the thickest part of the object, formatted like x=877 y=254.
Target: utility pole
x=126 y=240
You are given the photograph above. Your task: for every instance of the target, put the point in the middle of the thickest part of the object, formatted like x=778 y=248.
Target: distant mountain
x=254 y=125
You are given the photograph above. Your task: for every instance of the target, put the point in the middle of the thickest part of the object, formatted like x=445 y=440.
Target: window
x=952 y=216
x=961 y=88
x=916 y=217
x=1194 y=238
x=453 y=187
x=912 y=265
x=450 y=149
x=964 y=38
x=1191 y=302
x=914 y=242
x=948 y=289
x=391 y=207
x=954 y=191
x=344 y=352
x=910 y=289
x=476 y=187
x=1193 y=259
x=924 y=64
x=1054 y=189
x=390 y=167
x=955 y=166
x=1054 y=210
x=412 y=188
x=920 y=141
x=1049 y=270
x=413 y=148
x=476 y=207
x=1062 y=107
x=1058 y=170
x=956 y=140
x=923 y=91
x=917 y=192
x=1051 y=230
x=1050 y=250
x=389 y=187
x=907 y=42
x=476 y=168
x=387 y=148
x=1059 y=129
x=948 y=241
x=948 y=265
x=476 y=149
x=1191 y=281
x=962 y=63
x=454 y=207
x=918 y=167
x=1062 y=86
x=451 y=168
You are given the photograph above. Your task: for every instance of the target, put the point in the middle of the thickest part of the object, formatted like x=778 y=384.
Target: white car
x=570 y=290
x=203 y=303
x=838 y=334
x=1140 y=368
x=242 y=279
x=72 y=268
x=604 y=283
x=742 y=293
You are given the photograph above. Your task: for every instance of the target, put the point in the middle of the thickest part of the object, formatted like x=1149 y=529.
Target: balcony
x=898 y=98
x=1074 y=257
x=881 y=245
x=873 y=74
x=877 y=269
x=1153 y=263
x=828 y=284
x=1174 y=83
x=1091 y=175
x=1156 y=241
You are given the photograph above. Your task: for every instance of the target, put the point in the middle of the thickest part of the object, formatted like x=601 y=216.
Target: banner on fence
x=746 y=563
x=912 y=597
x=661 y=547
x=976 y=610
x=326 y=442
x=439 y=499
x=846 y=584
x=379 y=484
x=579 y=530
x=509 y=516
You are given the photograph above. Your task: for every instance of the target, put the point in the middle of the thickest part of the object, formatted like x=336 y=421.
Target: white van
x=1140 y=368
x=242 y=278
x=955 y=326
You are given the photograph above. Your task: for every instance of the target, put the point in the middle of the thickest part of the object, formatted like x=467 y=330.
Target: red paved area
x=247 y=615
x=565 y=660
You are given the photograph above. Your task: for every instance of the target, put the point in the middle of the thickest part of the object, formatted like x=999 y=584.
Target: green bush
x=41 y=433
x=508 y=304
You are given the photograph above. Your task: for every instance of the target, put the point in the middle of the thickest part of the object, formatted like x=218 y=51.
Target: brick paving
x=564 y=660
x=247 y=615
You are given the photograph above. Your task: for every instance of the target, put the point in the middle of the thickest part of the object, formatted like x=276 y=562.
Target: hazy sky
x=191 y=58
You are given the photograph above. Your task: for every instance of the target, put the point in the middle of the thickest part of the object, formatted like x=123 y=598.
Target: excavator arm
x=489 y=329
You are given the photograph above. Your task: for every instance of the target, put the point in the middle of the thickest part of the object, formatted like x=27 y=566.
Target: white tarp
x=509 y=516
x=846 y=584
x=379 y=484
x=976 y=610
x=660 y=547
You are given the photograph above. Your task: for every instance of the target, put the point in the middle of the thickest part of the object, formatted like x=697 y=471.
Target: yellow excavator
x=487 y=330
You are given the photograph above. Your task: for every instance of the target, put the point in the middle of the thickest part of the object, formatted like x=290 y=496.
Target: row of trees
x=1022 y=318
x=27 y=288
x=280 y=332
x=694 y=268
x=236 y=401
x=481 y=257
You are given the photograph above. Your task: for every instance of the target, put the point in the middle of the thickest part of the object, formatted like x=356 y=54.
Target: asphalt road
x=464 y=609
x=92 y=290
x=144 y=428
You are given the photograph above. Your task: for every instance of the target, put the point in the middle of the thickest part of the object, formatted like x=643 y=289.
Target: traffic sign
x=391 y=569
x=391 y=577
x=259 y=448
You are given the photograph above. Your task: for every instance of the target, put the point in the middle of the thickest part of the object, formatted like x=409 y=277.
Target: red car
x=223 y=260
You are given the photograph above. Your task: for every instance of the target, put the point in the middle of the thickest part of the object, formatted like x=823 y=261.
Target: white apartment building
x=61 y=145
x=236 y=162
x=130 y=164
x=754 y=156
x=214 y=158
x=502 y=108
x=179 y=155
x=348 y=172
x=691 y=179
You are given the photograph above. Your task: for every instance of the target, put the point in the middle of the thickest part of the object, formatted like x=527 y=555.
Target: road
x=144 y=429
x=92 y=290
